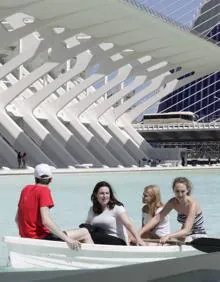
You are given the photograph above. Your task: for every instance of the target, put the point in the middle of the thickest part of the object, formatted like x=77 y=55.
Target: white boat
x=42 y=254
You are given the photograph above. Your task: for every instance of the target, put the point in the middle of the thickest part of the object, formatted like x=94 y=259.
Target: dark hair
x=44 y=181
x=184 y=181
x=112 y=201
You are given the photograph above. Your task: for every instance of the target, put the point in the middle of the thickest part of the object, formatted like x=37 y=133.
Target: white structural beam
x=52 y=115
x=56 y=127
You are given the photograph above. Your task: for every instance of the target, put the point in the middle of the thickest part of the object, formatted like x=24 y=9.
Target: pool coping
x=104 y=170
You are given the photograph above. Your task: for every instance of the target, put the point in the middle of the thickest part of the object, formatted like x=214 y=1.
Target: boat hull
x=42 y=254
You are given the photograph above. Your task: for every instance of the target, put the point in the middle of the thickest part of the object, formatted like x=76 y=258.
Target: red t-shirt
x=32 y=198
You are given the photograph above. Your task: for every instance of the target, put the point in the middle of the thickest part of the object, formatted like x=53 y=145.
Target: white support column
x=20 y=141
x=102 y=111
x=8 y=154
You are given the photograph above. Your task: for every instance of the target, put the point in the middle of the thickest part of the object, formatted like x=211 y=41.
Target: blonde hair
x=156 y=203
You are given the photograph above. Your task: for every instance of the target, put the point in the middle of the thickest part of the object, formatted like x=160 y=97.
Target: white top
x=110 y=221
x=162 y=228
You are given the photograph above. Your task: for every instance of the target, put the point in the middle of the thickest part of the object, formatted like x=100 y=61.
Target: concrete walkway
x=73 y=170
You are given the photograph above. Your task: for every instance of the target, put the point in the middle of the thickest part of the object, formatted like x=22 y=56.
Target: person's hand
x=164 y=239
x=73 y=244
x=140 y=242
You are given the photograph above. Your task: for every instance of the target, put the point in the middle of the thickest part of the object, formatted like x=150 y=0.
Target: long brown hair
x=97 y=208
x=156 y=203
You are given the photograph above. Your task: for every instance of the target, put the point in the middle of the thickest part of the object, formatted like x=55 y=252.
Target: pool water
x=71 y=194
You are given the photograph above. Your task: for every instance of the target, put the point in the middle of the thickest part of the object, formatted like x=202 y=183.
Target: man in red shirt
x=33 y=214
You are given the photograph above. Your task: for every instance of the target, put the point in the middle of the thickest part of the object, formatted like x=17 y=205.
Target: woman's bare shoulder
x=194 y=203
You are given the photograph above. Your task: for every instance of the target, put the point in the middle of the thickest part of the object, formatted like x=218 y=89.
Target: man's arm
x=51 y=225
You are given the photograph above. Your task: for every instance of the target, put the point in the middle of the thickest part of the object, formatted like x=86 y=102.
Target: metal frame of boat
x=41 y=254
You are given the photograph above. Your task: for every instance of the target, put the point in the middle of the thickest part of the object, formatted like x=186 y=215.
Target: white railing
x=177 y=126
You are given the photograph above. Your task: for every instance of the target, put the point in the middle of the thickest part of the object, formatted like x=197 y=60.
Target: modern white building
x=75 y=74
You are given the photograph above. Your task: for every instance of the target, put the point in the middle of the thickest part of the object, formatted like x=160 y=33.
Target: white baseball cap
x=43 y=170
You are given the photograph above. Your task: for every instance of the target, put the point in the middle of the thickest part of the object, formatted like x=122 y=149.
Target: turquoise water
x=71 y=193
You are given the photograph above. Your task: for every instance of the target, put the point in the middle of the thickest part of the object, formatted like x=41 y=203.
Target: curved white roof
x=125 y=26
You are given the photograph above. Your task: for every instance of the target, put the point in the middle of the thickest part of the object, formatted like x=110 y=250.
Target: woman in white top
x=153 y=205
x=109 y=218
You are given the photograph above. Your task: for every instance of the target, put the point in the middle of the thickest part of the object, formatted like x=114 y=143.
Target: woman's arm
x=157 y=218
x=131 y=228
x=90 y=216
x=187 y=226
x=144 y=211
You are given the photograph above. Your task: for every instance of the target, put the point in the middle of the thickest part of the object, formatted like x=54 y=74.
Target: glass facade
x=201 y=96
